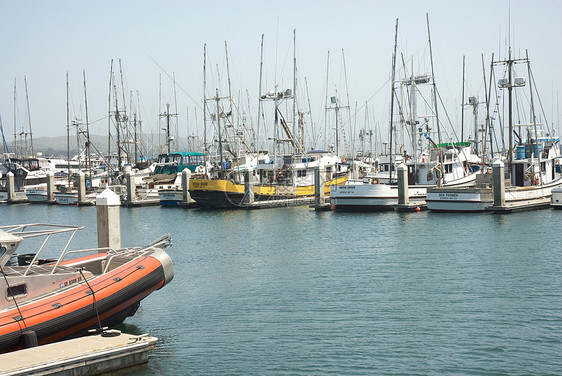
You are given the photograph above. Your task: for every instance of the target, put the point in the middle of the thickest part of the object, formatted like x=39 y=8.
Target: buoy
x=29 y=339
x=417 y=208
x=333 y=207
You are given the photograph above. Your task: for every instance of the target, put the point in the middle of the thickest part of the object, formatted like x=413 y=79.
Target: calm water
x=291 y=291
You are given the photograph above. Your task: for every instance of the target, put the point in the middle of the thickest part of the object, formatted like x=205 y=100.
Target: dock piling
x=403 y=196
x=499 y=183
x=10 y=186
x=319 y=198
x=248 y=187
x=185 y=178
x=108 y=219
x=131 y=187
x=81 y=187
x=50 y=187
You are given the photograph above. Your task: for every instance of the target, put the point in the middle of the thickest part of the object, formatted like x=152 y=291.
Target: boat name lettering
x=70 y=282
x=449 y=195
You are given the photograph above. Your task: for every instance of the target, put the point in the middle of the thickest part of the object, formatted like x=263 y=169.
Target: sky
x=157 y=40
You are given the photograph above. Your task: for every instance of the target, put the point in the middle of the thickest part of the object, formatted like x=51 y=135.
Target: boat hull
x=226 y=194
x=170 y=197
x=362 y=195
x=481 y=199
x=73 y=311
x=371 y=197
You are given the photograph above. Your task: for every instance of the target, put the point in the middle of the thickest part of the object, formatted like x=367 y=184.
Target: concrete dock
x=90 y=355
x=277 y=203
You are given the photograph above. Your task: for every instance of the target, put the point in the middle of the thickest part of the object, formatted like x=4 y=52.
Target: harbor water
x=290 y=291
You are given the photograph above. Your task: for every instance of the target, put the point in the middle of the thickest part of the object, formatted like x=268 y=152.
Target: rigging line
x=212 y=258
x=3 y=137
x=181 y=88
x=13 y=297
x=95 y=301
x=447 y=116
x=366 y=102
x=532 y=79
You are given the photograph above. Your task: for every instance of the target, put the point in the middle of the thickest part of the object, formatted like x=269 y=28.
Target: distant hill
x=56 y=146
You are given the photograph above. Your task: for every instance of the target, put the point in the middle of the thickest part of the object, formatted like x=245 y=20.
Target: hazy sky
x=42 y=40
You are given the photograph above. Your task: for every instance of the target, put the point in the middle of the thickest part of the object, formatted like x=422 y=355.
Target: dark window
x=16 y=290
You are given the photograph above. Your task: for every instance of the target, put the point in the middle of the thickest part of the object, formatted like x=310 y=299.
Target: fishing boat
x=371 y=194
x=165 y=182
x=534 y=176
x=75 y=291
x=430 y=161
x=293 y=179
x=533 y=162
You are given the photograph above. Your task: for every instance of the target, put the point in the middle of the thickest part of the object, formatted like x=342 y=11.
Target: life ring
x=343 y=160
x=375 y=181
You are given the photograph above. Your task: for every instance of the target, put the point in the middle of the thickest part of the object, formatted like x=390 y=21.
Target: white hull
x=363 y=196
x=36 y=195
x=371 y=196
x=480 y=199
x=556 y=200
x=170 y=197
x=462 y=200
x=19 y=196
x=72 y=198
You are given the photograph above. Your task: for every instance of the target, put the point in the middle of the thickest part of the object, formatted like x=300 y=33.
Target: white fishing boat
x=533 y=167
x=370 y=194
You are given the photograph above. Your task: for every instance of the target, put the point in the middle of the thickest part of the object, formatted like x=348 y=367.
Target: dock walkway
x=90 y=355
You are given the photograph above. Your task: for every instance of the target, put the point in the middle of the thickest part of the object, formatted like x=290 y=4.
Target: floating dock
x=410 y=207
x=276 y=203
x=520 y=206
x=139 y=203
x=90 y=355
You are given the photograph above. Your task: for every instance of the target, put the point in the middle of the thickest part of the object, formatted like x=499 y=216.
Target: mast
x=487 y=109
x=117 y=126
x=259 y=97
x=488 y=120
x=140 y=128
x=347 y=97
x=534 y=119
x=434 y=86
x=510 y=115
x=29 y=116
x=159 y=111
x=229 y=93
x=217 y=99
x=205 y=107
x=169 y=138
x=309 y=114
x=392 y=96
x=294 y=87
x=462 y=101
x=109 y=117
x=15 y=122
x=88 y=155
x=135 y=136
x=326 y=102
x=177 y=131
x=168 y=128
x=67 y=131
